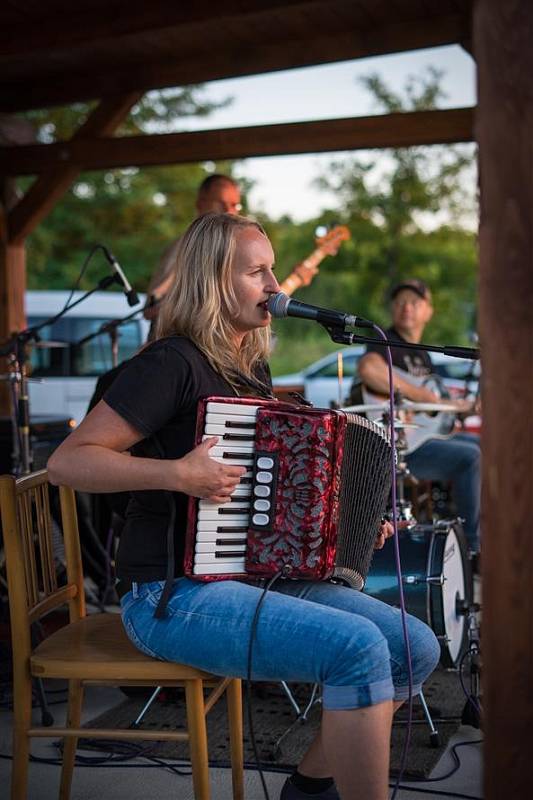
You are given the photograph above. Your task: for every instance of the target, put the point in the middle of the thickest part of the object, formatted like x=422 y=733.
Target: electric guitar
x=429 y=425
x=304 y=272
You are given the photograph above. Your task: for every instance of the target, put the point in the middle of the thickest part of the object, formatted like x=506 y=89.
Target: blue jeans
x=457 y=459
x=349 y=642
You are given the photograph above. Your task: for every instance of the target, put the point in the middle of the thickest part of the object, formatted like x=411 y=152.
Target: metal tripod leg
x=146 y=706
x=434 y=738
x=301 y=716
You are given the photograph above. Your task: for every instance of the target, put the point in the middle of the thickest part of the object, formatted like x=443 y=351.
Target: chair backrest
x=43 y=559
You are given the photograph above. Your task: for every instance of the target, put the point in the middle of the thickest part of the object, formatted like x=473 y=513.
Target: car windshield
x=92 y=358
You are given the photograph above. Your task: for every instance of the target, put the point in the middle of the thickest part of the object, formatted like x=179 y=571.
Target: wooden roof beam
x=387 y=130
x=58 y=176
x=242 y=59
x=86 y=27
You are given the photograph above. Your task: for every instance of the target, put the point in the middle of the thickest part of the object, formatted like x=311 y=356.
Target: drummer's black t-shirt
x=415 y=362
x=158 y=392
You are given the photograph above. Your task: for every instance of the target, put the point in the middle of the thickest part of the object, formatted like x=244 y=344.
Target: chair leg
x=194 y=694
x=75 y=700
x=22 y=701
x=234 y=700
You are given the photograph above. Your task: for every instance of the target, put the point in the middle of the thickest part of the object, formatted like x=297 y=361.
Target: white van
x=65 y=376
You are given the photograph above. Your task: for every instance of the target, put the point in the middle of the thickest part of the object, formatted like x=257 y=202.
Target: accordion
x=310 y=504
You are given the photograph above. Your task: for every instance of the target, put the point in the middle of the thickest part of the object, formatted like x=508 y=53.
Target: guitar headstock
x=332 y=240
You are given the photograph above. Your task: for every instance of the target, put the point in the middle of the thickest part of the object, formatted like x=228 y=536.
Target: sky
x=283 y=184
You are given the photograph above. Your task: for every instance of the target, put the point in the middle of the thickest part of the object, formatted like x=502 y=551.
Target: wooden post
x=12 y=288
x=504 y=128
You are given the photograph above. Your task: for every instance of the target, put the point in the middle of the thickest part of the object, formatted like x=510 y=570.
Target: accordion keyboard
x=222 y=527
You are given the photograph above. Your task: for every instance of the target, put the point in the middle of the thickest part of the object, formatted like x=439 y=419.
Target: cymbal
x=363 y=407
x=45 y=345
x=409 y=405
x=404 y=405
x=398 y=425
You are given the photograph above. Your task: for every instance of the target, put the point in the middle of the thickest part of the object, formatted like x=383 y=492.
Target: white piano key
x=210 y=547
x=204 y=525
x=212 y=429
x=229 y=568
x=230 y=446
x=211 y=558
x=213 y=535
x=223 y=519
x=227 y=409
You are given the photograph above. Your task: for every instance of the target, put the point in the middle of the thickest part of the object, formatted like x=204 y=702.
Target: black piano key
x=230 y=529
x=240 y=456
x=230 y=541
x=230 y=554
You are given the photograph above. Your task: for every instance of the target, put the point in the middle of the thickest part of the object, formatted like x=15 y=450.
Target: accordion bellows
x=310 y=503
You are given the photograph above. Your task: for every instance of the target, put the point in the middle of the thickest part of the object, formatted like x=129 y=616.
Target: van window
x=91 y=359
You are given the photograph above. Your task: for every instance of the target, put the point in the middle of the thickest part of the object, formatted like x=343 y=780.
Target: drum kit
x=436 y=575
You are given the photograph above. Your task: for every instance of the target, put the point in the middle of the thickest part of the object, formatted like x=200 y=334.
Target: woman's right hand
x=199 y=475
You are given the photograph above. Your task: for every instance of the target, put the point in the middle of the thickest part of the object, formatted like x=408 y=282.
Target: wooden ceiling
x=58 y=52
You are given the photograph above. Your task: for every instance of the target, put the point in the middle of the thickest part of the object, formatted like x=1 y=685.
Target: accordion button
x=262 y=491
x=263 y=462
x=262 y=505
x=264 y=477
x=260 y=519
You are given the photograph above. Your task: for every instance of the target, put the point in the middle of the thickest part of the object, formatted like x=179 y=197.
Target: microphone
x=131 y=294
x=280 y=305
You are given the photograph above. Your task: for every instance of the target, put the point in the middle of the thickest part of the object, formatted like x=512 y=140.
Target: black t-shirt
x=158 y=393
x=415 y=362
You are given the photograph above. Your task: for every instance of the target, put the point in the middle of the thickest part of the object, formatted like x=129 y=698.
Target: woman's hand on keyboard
x=199 y=475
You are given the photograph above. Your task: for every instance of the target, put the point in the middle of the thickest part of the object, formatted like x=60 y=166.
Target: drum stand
x=472 y=711
x=405 y=520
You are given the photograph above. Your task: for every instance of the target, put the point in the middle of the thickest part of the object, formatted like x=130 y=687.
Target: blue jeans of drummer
x=457 y=459
x=350 y=643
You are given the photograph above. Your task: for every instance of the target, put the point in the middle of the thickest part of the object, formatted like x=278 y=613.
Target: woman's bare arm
x=94 y=458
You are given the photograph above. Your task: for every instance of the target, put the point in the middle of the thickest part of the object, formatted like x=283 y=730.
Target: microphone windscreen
x=277 y=305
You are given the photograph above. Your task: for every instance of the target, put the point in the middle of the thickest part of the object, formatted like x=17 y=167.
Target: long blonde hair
x=201 y=303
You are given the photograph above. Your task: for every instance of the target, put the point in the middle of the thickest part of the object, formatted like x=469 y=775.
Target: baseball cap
x=415 y=285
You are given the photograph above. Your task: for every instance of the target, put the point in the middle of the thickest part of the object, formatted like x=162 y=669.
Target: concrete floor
x=149 y=783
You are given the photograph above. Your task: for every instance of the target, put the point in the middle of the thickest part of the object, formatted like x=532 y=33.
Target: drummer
x=455 y=458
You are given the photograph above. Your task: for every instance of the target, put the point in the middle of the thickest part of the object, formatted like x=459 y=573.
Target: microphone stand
x=16 y=346
x=341 y=336
x=110 y=328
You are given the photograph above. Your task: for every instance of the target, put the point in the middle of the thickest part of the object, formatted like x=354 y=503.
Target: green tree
x=136 y=213
x=410 y=212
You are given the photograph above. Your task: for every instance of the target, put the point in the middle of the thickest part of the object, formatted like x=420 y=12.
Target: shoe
x=291 y=792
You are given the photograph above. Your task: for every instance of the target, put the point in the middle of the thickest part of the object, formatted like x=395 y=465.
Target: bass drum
x=437 y=582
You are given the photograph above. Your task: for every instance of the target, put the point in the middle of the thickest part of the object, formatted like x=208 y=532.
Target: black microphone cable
x=253 y=630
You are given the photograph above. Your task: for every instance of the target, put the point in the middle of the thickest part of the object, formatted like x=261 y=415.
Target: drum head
x=450 y=588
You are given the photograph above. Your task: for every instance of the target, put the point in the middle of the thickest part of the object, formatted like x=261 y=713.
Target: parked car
x=65 y=376
x=319 y=382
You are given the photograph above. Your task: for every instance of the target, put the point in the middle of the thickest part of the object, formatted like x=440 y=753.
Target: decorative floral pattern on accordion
x=333 y=482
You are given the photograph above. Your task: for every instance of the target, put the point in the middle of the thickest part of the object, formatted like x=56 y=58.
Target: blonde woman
x=213 y=337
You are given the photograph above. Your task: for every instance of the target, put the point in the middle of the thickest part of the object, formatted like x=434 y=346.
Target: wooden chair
x=89 y=649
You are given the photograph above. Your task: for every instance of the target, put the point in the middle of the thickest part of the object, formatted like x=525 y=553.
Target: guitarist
x=455 y=458
x=221 y=194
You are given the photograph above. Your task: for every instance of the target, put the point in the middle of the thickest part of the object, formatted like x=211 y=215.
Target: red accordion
x=310 y=502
